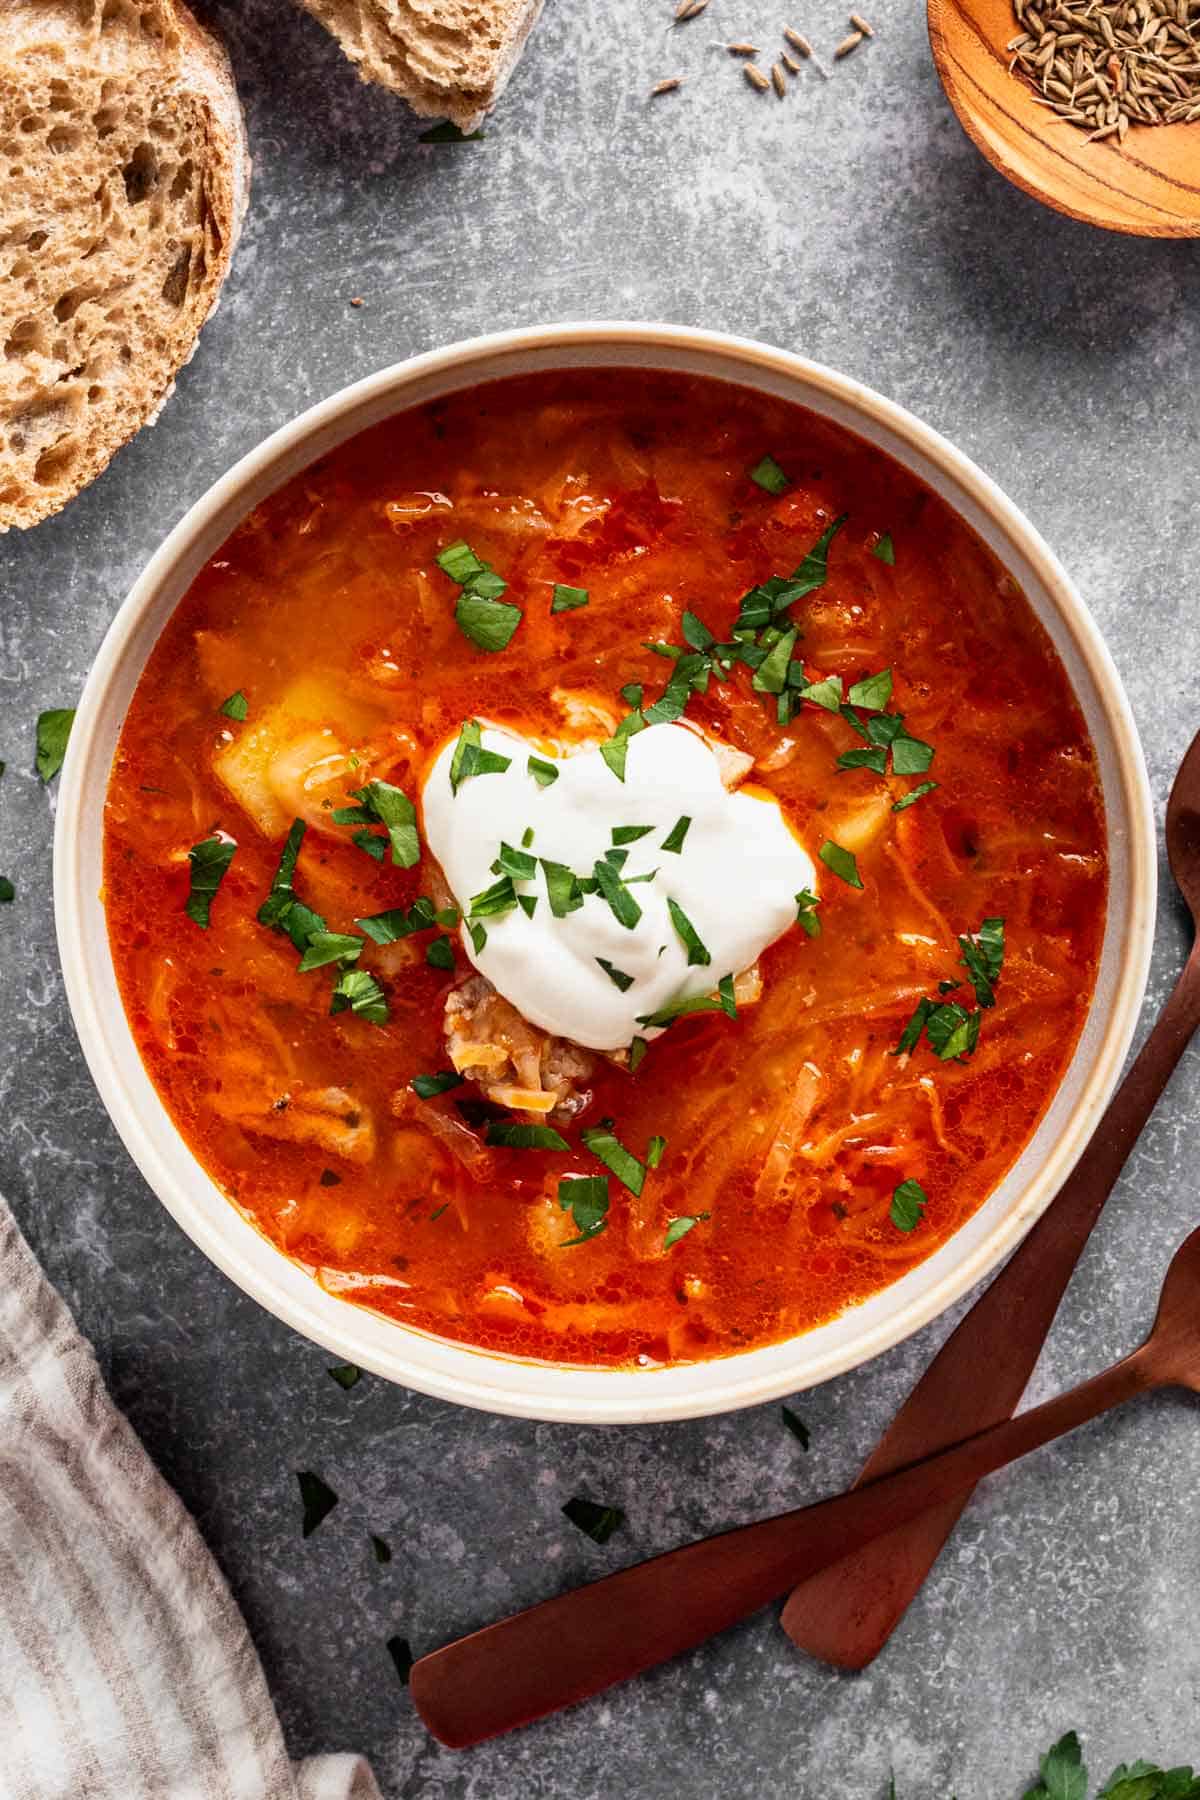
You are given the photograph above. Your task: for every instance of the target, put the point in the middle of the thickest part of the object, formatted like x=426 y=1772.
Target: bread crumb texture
x=123 y=183
x=449 y=59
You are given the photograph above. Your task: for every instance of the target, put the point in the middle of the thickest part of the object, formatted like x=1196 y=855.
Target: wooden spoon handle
x=846 y=1614
x=574 y=1646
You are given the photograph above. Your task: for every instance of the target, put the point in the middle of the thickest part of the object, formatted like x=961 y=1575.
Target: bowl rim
x=440 y=1367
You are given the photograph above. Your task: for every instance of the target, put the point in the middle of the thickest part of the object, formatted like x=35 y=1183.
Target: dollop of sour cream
x=735 y=876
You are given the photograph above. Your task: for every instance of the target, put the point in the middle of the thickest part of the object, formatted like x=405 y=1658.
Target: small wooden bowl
x=1148 y=186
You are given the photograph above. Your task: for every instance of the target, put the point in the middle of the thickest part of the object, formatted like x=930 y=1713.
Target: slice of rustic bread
x=124 y=176
x=448 y=58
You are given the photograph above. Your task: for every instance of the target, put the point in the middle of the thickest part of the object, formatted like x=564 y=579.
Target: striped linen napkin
x=126 y=1672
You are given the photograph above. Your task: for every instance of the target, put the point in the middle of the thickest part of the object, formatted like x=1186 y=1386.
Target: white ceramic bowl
x=451 y=1371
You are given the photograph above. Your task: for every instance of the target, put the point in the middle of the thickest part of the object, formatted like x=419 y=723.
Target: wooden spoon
x=1149 y=185
x=846 y=1615
x=582 y=1642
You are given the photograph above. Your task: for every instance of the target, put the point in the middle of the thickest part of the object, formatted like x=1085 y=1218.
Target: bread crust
x=116 y=239
x=450 y=59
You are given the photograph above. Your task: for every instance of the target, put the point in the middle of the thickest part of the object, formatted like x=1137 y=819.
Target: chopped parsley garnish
x=512 y=1136
x=381 y=803
x=565 y=599
x=543 y=772
x=399 y=1648
x=606 y=1148
x=771 y=676
x=796 y=1426
x=618 y=977
x=624 y=907
x=281 y=910
x=908 y=1205
x=478 y=934
x=517 y=863
x=637 y=1051
x=885 y=550
x=778 y=592
x=654 y=1151
x=209 y=862
x=595 y=1521
x=722 y=1001
x=680 y=1227
x=768 y=474
x=870 y=756
x=842 y=862
x=500 y=898
x=389 y=927
x=330 y=947
x=873 y=692
x=585 y=1197
x=914 y=794
x=950 y=1029
x=633 y=693
x=696 y=632
x=382 y=1549
x=909 y=755
x=983 y=958
x=440 y=954
x=236 y=707
x=698 y=953
x=347 y=1375
x=317 y=1498
x=7 y=891
x=615 y=749
x=357 y=992
x=527 y=904
x=375 y=846
x=53 y=730
x=426 y=1087
x=826 y=693
x=806 y=912
x=674 y=838
x=480 y=614
x=562 y=888
x=629 y=834
x=470 y=758
x=527 y=837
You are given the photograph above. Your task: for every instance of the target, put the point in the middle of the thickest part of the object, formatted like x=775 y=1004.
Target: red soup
x=569 y=561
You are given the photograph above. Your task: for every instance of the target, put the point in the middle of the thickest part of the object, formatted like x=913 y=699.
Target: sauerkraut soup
x=606 y=868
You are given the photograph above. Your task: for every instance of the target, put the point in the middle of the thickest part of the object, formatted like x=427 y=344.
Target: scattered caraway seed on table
x=1108 y=64
x=666 y=86
x=755 y=77
x=778 y=80
x=847 y=45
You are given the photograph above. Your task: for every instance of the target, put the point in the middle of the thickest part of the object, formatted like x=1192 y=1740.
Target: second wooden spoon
x=582 y=1642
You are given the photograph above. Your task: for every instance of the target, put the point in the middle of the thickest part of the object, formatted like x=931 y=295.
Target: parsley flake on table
x=399 y=1648
x=594 y=1520
x=53 y=731
x=382 y=1549
x=347 y=1375
x=796 y=1426
x=209 y=863
x=7 y=891
x=317 y=1498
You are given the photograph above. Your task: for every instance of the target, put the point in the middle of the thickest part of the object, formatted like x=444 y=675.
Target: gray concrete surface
x=856 y=224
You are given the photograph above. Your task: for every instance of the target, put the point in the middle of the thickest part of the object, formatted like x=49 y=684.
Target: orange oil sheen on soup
x=791 y=1126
